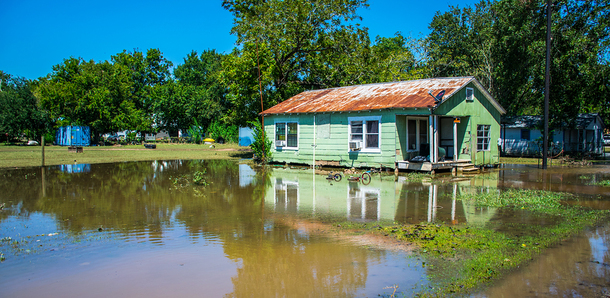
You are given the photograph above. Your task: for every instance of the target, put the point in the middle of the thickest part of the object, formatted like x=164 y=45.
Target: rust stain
x=406 y=94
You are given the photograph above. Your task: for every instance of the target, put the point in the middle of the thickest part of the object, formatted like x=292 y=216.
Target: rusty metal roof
x=406 y=94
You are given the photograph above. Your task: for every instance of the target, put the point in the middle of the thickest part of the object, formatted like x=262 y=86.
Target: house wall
x=479 y=111
x=569 y=140
x=513 y=145
x=332 y=139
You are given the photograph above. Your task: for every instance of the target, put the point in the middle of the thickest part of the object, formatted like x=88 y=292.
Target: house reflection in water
x=301 y=192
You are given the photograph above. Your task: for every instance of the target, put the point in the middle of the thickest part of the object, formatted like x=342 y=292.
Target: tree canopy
x=503 y=44
x=20 y=112
x=287 y=46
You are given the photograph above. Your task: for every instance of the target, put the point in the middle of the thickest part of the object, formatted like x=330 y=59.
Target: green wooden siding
x=331 y=133
x=336 y=146
x=480 y=111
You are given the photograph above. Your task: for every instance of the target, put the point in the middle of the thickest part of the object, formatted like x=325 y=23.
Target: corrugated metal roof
x=406 y=94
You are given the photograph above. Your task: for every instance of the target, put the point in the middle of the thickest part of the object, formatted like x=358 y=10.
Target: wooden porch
x=433 y=166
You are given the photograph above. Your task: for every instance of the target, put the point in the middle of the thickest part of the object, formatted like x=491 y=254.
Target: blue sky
x=37 y=34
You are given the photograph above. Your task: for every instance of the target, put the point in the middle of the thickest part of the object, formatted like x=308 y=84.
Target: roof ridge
x=393 y=82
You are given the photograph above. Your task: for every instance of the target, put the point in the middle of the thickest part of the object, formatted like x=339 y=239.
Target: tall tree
x=146 y=72
x=202 y=73
x=178 y=106
x=393 y=60
x=93 y=94
x=20 y=113
x=304 y=44
x=502 y=43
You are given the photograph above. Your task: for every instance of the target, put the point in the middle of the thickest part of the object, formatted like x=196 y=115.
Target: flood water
x=144 y=229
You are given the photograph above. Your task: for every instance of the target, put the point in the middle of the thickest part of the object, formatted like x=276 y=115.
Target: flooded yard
x=227 y=229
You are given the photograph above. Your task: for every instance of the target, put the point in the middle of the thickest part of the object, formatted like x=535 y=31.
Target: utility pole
x=260 y=91
x=547 y=84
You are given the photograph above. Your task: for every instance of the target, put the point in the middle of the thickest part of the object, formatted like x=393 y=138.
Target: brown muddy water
x=144 y=229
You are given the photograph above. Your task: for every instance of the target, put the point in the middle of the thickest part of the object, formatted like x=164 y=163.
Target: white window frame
x=283 y=186
x=364 y=133
x=285 y=123
x=471 y=91
x=481 y=138
x=359 y=195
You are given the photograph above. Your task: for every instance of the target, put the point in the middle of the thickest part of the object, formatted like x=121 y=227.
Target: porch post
x=431 y=137
x=436 y=142
x=455 y=149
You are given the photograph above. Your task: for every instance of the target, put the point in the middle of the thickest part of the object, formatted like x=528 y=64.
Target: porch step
x=467 y=167
x=470 y=169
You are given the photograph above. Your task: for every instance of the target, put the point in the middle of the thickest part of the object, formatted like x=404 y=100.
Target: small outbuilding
x=522 y=136
x=73 y=136
x=424 y=125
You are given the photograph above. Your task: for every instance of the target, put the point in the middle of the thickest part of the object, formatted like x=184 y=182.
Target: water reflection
x=579 y=267
x=384 y=199
x=236 y=232
x=75 y=168
x=577 y=180
x=149 y=219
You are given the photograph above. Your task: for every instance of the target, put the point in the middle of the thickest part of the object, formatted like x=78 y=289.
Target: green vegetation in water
x=602 y=183
x=460 y=258
x=197 y=178
x=533 y=200
x=417 y=176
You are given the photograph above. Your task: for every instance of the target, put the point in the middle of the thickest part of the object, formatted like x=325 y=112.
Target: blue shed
x=73 y=136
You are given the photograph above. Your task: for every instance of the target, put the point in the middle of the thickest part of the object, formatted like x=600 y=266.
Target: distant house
x=424 y=125
x=522 y=136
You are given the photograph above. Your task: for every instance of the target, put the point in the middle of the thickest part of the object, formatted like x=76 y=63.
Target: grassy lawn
x=29 y=156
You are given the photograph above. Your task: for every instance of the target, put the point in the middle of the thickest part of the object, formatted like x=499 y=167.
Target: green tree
x=201 y=75
x=92 y=94
x=146 y=72
x=177 y=106
x=393 y=60
x=299 y=44
x=502 y=43
x=20 y=113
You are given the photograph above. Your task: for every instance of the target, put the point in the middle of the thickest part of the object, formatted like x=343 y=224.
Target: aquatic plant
x=417 y=176
x=533 y=200
x=199 y=177
x=602 y=183
x=462 y=257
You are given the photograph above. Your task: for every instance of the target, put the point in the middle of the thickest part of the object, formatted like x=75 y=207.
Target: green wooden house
x=424 y=125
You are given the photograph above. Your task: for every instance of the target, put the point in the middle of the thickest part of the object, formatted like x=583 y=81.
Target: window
x=417 y=132
x=286 y=134
x=365 y=131
x=525 y=134
x=412 y=134
x=483 y=137
x=469 y=94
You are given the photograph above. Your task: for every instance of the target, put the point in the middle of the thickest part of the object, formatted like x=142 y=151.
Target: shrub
x=261 y=145
x=229 y=133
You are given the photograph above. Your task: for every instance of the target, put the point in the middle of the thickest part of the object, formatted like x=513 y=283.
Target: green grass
x=519 y=160
x=29 y=156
